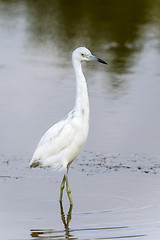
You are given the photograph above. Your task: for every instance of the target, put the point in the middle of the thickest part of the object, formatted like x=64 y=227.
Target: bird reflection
x=65 y=220
x=56 y=234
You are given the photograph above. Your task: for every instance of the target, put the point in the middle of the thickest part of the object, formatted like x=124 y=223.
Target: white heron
x=61 y=143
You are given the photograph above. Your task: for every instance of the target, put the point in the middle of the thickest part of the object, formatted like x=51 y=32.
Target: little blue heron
x=61 y=143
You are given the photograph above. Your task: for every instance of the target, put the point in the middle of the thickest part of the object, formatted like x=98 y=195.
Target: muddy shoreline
x=114 y=197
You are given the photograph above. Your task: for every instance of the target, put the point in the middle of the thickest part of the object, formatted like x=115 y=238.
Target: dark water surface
x=115 y=196
x=37 y=86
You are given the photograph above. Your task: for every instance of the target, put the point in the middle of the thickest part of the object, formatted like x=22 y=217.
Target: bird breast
x=80 y=123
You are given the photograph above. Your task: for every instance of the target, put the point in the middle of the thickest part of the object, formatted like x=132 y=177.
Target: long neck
x=82 y=102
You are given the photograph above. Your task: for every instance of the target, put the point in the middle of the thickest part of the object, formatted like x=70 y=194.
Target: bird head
x=83 y=54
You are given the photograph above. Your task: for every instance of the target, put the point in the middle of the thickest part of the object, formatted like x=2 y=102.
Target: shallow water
x=115 y=182
x=120 y=203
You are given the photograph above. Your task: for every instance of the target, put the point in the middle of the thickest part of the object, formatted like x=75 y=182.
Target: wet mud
x=114 y=198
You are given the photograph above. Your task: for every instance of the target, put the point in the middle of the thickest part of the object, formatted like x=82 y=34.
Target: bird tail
x=34 y=164
x=58 y=164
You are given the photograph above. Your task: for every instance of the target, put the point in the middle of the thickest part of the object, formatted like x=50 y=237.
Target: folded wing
x=55 y=140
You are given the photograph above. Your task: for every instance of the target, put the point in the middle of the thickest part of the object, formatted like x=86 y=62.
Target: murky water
x=121 y=204
x=37 y=88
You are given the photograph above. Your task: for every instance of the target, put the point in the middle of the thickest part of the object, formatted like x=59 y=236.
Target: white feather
x=61 y=144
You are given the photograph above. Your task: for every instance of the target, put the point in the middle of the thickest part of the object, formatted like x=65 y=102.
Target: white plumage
x=61 y=143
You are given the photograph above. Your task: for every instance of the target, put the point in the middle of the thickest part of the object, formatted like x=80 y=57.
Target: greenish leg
x=62 y=187
x=68 y=189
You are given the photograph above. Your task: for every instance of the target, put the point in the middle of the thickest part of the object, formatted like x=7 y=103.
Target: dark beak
x=93 y=58
x=101 y=61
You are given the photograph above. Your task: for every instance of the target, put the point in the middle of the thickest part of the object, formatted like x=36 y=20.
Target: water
x=37 y=88
x=121 y=204
x=37 y=80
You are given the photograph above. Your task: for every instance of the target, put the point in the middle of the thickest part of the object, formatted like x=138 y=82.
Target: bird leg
x=62 y=187
x=65 y=179
x=68 y=189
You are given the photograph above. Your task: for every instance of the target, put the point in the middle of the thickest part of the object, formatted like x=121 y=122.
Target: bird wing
x=56 y=139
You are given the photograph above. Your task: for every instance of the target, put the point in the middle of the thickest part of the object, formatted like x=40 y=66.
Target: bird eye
x=83 y=55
